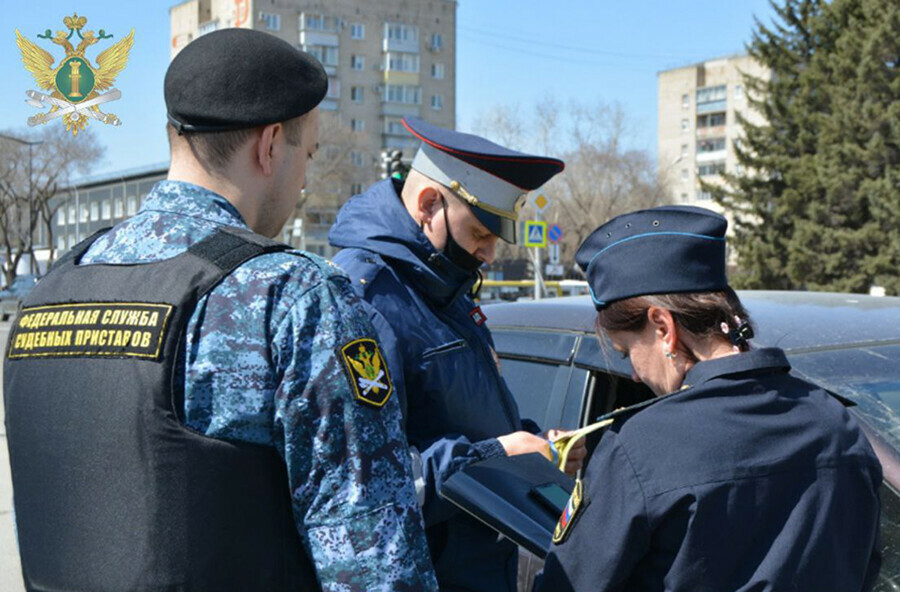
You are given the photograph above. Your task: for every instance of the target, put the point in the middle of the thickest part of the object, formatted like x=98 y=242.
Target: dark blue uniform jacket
x=457 y=402
x=750 y=479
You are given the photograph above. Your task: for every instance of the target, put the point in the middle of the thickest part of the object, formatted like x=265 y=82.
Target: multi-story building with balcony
x=385 y=59
x=698 y=127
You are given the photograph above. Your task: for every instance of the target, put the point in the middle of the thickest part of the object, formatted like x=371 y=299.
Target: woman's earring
x=670 y=355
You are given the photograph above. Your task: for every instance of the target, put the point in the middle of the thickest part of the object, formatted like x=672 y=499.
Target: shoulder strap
x=229 y=247
x=75 y=253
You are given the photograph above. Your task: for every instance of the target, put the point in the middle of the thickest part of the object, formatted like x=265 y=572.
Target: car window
x=868 y=376
x=548 y=346
x=576 y=392
x=889 y=577
x=539 y=388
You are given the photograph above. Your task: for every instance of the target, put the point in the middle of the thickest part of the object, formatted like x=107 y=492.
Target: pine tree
x=818 y=208
x=851 y=239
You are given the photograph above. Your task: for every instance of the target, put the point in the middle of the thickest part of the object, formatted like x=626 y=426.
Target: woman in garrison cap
x=737 y=475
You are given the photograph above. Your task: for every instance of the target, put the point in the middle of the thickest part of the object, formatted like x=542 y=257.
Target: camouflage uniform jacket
x=263 y=366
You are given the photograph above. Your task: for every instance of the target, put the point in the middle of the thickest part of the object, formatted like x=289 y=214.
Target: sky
x=509 y=52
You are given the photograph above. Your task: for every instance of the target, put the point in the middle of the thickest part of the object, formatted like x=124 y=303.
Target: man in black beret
x=192 y=406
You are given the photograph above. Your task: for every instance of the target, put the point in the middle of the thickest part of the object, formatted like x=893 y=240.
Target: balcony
x=319 y=38
x=710 y=132
x=718 y=155
x=712 y=107
x=400 y=110
x=403 y=78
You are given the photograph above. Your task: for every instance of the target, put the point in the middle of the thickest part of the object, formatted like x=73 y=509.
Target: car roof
x=793 y=321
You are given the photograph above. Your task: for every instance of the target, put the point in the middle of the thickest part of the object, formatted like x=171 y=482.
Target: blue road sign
x=554 y=233
x=535 y=234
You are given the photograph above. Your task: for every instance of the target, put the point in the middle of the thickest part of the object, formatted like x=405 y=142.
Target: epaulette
x=623 y=412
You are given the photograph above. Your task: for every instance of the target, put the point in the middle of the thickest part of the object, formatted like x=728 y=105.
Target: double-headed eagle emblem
x=75 y=83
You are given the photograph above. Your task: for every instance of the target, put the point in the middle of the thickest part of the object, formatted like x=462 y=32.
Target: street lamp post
x=31 y=145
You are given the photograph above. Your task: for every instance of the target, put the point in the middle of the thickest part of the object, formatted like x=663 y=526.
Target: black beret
x=238 y=78
x=663 y=250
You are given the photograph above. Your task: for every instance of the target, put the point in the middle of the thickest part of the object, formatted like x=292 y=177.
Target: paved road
x=10 y=570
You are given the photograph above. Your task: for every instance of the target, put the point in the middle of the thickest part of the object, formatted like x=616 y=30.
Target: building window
x=95 y=211
x=72 y=215
x=118 y=208
x=685 y=100
x=712 y=168
x=394 y=126
x=356 y=94
x=711 y=94
x=132 y=205
x=437 y=42
x=72 y=240
x=712 y=99
x=704 y=195
x=357 y=31
x=684 y=150
x=272 y=21
x=710 y=145
x=356 y=158
x=685 y=125
x=437 y=102
x=684 y=197
x=738 y=91
x=106 y=209
x=356 y=188
x=357 y=62
x=358 y=125
x=61 y=243
x=437 y=71
x=401 y=62
x=207 y=27
x=398 y=32
x=83 y=214
x=325 y=54
x=61 y=217
x=402 y=93
x=684 y=174
x=710 y=120
x=318 y=22
x=334 y=88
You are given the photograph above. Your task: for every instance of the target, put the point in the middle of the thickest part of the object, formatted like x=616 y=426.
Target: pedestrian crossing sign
x=535 y=234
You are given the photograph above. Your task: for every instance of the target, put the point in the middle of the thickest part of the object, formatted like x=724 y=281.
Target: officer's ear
x=429 y=203
x=664 y=327
x=266 y=146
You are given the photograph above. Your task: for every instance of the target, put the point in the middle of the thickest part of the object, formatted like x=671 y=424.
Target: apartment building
x=697 y=124
x=385 y=59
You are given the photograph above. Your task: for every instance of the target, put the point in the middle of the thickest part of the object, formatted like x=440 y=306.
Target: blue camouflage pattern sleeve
x=348 y=463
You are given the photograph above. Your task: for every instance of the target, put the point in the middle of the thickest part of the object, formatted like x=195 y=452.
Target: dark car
x=848 y=344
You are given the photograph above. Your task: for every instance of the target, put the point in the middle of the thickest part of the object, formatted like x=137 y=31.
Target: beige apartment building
x=385 y=59
x=698 y=128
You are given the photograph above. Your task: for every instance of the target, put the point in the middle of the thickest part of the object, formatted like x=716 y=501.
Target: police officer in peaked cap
x=737 y=475
x=193 y=406
x=413 y=250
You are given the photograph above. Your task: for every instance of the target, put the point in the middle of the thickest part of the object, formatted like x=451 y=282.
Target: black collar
x=769 y=359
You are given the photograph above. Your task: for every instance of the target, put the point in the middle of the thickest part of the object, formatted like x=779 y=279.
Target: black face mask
x=454 y=252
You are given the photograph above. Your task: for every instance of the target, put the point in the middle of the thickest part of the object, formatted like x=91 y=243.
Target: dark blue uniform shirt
x=746 y=479
x=457 y=401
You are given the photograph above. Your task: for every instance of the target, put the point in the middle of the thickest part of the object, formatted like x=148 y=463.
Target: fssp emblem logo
x=367 y=371
x=75 y=84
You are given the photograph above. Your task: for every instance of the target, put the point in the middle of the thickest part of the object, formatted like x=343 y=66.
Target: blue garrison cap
x=492 y=179
x=663 y=250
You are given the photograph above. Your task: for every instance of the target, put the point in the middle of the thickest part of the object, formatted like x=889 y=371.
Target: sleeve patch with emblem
x=368 y=372
x=570 y=514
